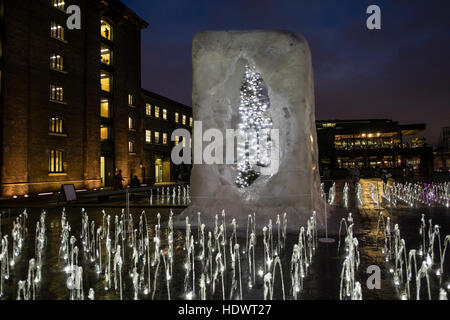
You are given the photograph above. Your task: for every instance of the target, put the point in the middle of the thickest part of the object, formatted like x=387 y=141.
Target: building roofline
x=126 y=12
x=387 y=124
x=151 y=94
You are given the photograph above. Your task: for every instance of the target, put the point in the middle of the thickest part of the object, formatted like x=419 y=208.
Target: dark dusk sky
x=400 y=72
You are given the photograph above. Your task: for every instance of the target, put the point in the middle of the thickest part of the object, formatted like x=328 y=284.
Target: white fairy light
x=254 y=116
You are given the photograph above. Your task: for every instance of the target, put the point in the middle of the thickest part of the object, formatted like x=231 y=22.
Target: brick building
x=72 y=109
x=161 y=117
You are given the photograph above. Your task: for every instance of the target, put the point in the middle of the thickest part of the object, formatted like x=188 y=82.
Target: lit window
x=105 y=55
x=184 y=142
x=131 y=123
x=59 y=4
x=156 y=112
x=105 y=30
x=184 y=120
x=56 y=93
x=131 y=147
x=177 y=140
x=164 y=138
x=148 y=136
x=106 y=81
x=105 y=133
x=130 y=100
x=165 y=114
x=156 y=137
x=105 y=110
x=190 y=121
x=57 y=31
x=56 y=62
x=56 y=125
x=56 y=161
x=177 y=117
x=148 y=109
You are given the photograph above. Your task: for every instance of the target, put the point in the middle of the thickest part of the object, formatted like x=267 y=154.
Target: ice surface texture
x=284 y=61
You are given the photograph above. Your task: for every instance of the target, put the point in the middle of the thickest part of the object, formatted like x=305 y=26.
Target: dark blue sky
x=400 y=72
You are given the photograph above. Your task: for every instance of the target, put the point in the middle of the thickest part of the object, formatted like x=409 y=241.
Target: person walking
x=118 y=181
x=135 y=183
x=355 y=173
x=385 y=175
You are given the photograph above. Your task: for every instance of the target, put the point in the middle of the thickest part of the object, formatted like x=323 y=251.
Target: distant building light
x=45 y=194
x=329 y=125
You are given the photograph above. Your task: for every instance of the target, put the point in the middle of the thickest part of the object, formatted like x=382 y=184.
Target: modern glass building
x=370 y=145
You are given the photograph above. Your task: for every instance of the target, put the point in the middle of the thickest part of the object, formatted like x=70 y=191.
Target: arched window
x=106 y=30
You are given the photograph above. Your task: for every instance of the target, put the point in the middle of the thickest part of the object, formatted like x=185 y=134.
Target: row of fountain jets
x=123 y=244
x=117 y=249
x=409 y=268
x=414 y=195
x=175 y=195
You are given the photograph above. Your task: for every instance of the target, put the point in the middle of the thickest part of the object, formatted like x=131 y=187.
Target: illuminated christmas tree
x=254 y=118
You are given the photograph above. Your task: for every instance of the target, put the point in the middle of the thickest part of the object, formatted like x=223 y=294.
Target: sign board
x=69 y=192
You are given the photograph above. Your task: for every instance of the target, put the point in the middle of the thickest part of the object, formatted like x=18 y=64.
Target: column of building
x=106 y=102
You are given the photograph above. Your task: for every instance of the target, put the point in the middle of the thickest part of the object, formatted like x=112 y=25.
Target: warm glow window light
x=58 y=4
x=148 y=136
x=56 y=125
x=130 y=100
x=131 y=123
x=56 y=161
x=105 y=133
x=57 y=62
x=57 y=31
x=56 y=93
x=106 y=55
x=105 y=110
x=131 y=147
x=106 y=82
x=106 y=30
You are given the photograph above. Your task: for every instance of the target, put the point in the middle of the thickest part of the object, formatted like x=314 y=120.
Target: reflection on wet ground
x=321 y=282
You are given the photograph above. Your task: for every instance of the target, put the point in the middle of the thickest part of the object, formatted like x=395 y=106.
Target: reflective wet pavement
x=322 y=281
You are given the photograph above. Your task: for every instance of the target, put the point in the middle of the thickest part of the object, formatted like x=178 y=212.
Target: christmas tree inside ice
x=255 y=121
